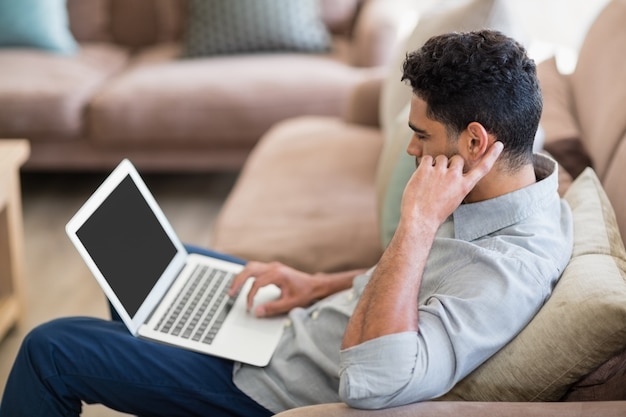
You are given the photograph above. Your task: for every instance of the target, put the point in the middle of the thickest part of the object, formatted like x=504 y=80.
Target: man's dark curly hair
x=482 y=76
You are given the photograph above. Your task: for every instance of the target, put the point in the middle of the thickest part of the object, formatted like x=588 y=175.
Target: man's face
x=429 y=137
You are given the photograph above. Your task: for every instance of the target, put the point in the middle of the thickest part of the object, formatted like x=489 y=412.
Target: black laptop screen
x=128 y=244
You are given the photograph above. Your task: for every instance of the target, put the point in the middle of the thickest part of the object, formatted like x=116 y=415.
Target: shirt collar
x=470 y=221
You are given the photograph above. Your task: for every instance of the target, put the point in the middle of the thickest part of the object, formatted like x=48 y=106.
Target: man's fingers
x=273 y=308
x=485 y=164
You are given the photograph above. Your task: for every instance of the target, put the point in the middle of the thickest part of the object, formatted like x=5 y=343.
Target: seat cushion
x=306 y=197
x=218 y=101
x=44 y=96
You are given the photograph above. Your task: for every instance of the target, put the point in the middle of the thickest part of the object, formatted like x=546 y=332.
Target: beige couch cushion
x=306 y=198
x=157 y=102
x=582 y=324
x=44 y=95
x=597 y=85
x=614 y=183
x=339 y=15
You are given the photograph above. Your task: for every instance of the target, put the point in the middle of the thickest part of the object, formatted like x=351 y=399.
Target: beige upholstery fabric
x=90 y=20
x=582 y=325
x=372 y=47
x=338 y=15
x=159 y=100
x=362 y=108
x=614 y=183
x=557 y=120
x=468 y=409
x=313 y=172
x=597 y=84
x=43 y=95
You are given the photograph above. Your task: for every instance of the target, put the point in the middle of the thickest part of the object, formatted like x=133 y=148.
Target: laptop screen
x=128 y=244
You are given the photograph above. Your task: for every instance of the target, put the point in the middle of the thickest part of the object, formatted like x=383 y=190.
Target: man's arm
x=389 y=301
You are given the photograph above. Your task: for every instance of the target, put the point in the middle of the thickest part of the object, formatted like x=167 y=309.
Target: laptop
x=161 y=291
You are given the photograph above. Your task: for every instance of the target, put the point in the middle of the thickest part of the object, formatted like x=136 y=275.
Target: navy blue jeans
x=69 y=361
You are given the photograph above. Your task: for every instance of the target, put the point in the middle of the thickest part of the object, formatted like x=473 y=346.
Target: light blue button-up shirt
x=491 y=267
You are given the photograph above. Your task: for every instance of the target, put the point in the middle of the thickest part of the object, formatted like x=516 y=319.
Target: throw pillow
x=41 y=24
x=230 y=27
x=582 y=324
x=473 y=15
x=395 y=167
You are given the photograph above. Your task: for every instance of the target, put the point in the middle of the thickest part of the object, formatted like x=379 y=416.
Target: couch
x=145 y=83
x=322 y=193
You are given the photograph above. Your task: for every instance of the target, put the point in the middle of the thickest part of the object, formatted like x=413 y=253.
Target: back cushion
x=90 y=20
x=338 y=15
x=134 y=23
x=614 y=183
x=598 y=86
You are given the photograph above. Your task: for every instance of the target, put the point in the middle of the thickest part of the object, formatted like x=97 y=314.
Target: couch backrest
x=137 y=23
x=599 y=95
x=90 y=20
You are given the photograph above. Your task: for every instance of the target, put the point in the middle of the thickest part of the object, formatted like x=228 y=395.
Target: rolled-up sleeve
x=397 y=369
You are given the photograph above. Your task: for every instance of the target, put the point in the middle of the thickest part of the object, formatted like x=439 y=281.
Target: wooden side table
x=13 y=153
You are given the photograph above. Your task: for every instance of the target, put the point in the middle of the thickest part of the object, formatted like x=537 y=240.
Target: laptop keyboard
x=201 y=307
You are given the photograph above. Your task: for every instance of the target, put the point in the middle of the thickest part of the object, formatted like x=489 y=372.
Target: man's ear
x=475 y=143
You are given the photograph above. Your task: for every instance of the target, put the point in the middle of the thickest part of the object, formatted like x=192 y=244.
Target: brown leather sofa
x=126 y=93
x=315 y=194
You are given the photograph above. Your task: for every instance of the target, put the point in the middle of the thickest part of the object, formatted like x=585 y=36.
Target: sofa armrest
x=364 y=102
x=378 y=31
x=470 y=409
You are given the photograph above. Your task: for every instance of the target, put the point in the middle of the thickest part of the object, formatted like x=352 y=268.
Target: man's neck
x=499 y=182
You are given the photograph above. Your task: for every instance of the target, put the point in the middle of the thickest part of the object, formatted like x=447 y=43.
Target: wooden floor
x=57 y=281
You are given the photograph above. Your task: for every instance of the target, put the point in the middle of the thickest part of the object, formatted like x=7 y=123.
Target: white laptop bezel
x=123 y=170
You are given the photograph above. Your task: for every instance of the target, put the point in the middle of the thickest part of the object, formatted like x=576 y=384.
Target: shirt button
x=288 y=323
x=350 y=295
x=315 y=314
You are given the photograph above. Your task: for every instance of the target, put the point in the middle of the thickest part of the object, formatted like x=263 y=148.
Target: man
x=482 y=238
